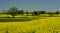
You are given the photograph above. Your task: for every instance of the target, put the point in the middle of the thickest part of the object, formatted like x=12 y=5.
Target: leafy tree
x=50 y=13
x=12 y=11
x=36 y=13
x=21 y=12
x=57 y=12
x=42 y=12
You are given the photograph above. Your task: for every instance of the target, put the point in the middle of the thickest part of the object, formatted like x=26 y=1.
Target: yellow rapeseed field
x=46 y=25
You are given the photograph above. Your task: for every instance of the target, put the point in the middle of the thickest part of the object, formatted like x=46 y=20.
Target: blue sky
x=48 y=5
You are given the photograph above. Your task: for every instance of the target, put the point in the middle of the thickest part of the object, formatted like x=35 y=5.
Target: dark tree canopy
x=57 y=12
x=36 y=13
x=13 y=11
x=21 y=12
x=41 y=12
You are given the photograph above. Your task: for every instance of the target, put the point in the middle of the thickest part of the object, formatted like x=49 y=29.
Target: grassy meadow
x=30 y=24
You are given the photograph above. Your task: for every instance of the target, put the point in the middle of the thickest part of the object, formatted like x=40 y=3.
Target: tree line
x=14 y=12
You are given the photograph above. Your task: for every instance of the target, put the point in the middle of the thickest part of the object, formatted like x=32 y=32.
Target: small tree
x=20 y=12
x=12 y=11
x=50 y=13
x=57 y=12
x=42 y=12
x=36 y=13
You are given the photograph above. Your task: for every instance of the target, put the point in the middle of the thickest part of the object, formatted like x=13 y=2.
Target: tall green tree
x=50 y=13
x=36 y=13
x=21 y=12
x=57 y=12
x=13 y=11
x=42 y=12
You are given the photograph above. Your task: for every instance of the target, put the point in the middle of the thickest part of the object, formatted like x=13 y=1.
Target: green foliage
x=16 y=19
x=50 y=13
x=12 y=11
x=21 y=12
x=57 y=12
x=41 y=12
x=36 y=13
x=32 y=13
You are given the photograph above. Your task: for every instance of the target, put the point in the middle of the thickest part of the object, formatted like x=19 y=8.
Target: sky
x=31 y=5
